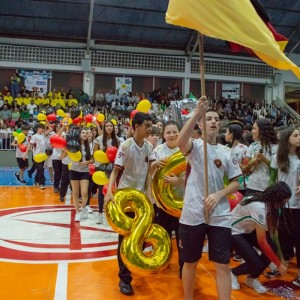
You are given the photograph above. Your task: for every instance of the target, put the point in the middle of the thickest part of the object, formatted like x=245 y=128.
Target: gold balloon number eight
x=162 y=191
x=137 y=231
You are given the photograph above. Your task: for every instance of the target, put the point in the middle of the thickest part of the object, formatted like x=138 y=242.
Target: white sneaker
x=84 y=213
x=234 y=282
x=77 y=217
x=256 y=285
x=99 y=219
x=89 y=209
x=205 y=248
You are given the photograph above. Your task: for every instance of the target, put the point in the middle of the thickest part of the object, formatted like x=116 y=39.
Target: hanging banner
x=123 y=85
x=231 y=90
x=36 y=81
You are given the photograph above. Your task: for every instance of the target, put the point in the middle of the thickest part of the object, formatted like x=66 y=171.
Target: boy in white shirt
x=193 y=224
x=131 y=170
x=38 y=144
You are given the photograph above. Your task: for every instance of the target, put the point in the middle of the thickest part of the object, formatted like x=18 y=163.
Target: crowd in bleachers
x=19 y=106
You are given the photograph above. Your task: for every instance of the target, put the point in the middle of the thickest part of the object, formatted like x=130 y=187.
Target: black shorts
x=191 y=241
x=22 y=163
x=74 y=175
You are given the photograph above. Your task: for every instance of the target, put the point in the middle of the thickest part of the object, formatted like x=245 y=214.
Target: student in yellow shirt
x=8 y=98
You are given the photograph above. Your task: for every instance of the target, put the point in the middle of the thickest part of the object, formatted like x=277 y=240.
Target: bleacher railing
x=6 y=138
x=288 y=109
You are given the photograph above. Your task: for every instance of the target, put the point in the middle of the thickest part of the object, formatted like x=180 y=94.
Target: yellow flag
x=232 y=20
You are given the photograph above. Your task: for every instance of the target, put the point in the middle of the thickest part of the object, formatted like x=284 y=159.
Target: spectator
x=15 y=84
x=84 y=98
x=5 y=114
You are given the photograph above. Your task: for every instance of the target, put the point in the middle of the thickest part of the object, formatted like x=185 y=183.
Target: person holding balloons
x=38 y=144
x=132 y=170
x=162 y=152
x=80 y=153
x=21 y=141
x=102 y=142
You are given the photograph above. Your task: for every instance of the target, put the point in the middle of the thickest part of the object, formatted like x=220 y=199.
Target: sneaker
x=234 y=282
x=237 y=258
x=56 y=190
x=36 y=184
x=89 y=209
x=99 y=219
x=77 y=217
x=272 y=274
x=125 y=288
x=205 y=248
x=255 y=285
x=61 y=199
x=42 y=187
x=52 y=181
x=17 y=176
x=84 y=213
x=24 y=181
x=296 y=281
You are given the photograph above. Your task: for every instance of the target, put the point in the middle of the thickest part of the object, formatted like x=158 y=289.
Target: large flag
x=235 y=21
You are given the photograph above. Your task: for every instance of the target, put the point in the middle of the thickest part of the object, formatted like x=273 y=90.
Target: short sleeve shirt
x=220 y=164
x=133 y=162
x=246 y=217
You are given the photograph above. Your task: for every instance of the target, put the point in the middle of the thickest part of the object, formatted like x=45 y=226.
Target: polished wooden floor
x=42 y=258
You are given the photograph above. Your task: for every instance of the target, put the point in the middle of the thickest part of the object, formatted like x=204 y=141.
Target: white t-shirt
x=133 y=162
x=99 y=141
x=260 y=176
x=163 y=151
x=31 y=107
x=238 y=153
x=245 y=217
x=292 y=178
x=39 y=143
x=219 y=165
x=19 y=153
x=75 y=166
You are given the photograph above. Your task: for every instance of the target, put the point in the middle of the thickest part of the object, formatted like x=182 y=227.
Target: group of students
x=267 y=173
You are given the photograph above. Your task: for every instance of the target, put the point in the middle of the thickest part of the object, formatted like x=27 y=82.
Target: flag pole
x=203 y=93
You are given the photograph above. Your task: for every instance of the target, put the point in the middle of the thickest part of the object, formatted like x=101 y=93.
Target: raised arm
x=184 y=139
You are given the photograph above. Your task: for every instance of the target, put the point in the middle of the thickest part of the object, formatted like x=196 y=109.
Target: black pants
x=40 y=175
x=92 y=189
x=124 y=273
x=290 y=239
x=100 y=199
x=57 y=168
x=254 y=263
x=65 y=181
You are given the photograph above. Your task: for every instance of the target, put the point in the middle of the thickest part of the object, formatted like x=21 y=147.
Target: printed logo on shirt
x=261 y=217
x=235 y=161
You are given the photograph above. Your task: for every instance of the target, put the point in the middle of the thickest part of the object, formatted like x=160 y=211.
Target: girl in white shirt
x=251 y=220
x=102 y=142
x=285 y=166
x=259 y=155
x=162 y=152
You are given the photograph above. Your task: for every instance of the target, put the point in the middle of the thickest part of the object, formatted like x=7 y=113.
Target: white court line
x=212 y=276
x=61 y=281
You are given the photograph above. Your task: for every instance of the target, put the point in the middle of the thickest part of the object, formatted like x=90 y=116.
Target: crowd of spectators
x=20 y=106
